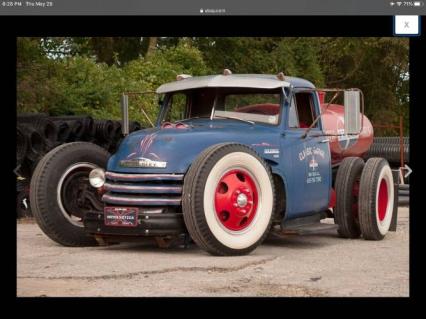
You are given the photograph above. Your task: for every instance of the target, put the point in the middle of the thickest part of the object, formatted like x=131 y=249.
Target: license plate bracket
x=121 y=216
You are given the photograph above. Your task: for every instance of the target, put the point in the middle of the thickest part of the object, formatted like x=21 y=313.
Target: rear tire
x=347 y=184
x=228 y=200
x=376 y=199
x=60 y=191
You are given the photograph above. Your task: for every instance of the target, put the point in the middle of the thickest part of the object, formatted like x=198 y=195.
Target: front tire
x=376 y=199
x=60 y=191
x=228 y=200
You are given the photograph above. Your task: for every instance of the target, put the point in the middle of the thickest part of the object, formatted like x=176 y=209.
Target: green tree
x=378 y=66
x=82 y=75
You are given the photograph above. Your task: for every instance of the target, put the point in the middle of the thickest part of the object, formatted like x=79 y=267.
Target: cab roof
x=260 y=81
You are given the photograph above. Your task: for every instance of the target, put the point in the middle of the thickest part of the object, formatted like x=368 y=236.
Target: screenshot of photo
x=214 y=148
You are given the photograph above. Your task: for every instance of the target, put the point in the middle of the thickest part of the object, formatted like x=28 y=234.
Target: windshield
x=250 y=105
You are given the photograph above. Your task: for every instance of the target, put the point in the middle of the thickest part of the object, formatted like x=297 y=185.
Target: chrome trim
x=141 y=200
x=143 y=162
x=142 y=177
x=142 y=188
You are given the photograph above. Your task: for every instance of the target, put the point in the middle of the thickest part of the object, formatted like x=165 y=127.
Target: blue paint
x=303 y=164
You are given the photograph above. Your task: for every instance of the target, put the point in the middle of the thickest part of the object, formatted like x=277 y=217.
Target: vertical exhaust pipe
x=125 y=114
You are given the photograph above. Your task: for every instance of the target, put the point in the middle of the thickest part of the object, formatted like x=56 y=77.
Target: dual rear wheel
x=364 y=198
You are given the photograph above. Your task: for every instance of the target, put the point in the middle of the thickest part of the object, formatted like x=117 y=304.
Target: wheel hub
x=236 y=200
x=242 y=200
x=75 y=196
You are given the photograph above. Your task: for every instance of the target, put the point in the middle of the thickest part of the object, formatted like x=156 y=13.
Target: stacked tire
x=390 y=149
x=38 y=133
x=403 y=194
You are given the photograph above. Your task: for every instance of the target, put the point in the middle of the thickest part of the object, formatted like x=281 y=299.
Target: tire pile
x=38 y=133
x=389 y=148
x=403 y=195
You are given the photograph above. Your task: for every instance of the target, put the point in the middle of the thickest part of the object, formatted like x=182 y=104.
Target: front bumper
x=148 y=224
x=156 y=197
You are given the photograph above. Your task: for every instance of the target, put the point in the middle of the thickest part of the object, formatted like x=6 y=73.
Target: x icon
x=407 y=25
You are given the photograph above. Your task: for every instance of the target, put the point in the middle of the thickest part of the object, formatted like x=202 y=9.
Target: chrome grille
x=143 y=189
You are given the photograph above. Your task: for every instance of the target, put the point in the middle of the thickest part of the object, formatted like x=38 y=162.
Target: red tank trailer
x=344 y=146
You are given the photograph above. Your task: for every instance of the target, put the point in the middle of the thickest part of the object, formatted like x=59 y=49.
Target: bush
x=79 y=85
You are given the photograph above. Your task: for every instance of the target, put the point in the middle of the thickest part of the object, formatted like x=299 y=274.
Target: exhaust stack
x=125 y=114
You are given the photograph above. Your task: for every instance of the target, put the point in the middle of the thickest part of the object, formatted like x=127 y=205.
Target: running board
x=309 y=229
x=306 y=225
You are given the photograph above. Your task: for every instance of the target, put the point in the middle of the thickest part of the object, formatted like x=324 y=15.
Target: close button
x=407 y=25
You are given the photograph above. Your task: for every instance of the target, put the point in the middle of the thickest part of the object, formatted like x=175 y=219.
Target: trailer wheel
x=347 y=191
x=228 y=200
x=61 y=194
x=376 y=199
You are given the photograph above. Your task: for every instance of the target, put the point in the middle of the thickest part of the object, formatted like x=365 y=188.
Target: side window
x=304 y=110
x=177 y=108
x=293 y=120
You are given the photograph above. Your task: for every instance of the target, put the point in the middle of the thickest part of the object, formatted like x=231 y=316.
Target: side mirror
x=352 y=102
x=125 y=114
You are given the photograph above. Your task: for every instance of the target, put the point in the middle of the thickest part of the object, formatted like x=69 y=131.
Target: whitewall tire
x=228 y=200
x=376 y=199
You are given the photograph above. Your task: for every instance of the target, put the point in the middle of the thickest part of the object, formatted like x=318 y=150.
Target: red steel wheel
x=228 y=199
x=383 y=200
x=236 y=200
x=376 y=199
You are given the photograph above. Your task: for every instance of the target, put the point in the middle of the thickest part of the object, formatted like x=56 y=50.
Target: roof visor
x=260 y=81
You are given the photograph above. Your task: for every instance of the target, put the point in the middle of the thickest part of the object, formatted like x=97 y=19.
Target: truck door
x=306 y=161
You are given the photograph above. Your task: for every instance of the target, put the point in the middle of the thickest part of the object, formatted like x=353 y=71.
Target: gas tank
x=347 y=145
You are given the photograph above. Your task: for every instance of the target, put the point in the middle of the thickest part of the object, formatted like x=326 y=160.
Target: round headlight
x=97 y=177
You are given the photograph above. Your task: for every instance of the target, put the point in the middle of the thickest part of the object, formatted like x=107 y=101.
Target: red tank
x=347 y=145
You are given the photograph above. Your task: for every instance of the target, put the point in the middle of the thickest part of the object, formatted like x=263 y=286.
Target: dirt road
x=310 y=265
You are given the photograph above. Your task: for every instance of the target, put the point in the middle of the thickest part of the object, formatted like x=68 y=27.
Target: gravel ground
x=319 y=264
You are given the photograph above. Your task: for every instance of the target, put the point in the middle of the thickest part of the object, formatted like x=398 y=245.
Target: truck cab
x=268 y=115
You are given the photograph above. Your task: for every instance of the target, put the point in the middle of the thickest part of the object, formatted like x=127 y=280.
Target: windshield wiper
x=234 y=118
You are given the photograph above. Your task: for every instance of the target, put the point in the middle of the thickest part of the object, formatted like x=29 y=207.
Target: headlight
x=97 y=177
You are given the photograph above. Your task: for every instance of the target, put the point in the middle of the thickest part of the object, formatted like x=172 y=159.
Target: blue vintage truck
x=231 y=158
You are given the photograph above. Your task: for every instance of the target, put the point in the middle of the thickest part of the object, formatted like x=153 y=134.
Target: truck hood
x=179 y=147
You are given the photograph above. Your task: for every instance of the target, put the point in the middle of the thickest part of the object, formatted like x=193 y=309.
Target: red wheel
x=376 y=199
x=236 y=200
x=383 y=200
x=228 y=199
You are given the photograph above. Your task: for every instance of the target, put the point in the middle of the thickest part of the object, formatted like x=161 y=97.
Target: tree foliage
x=81 y=85
x=68 y=75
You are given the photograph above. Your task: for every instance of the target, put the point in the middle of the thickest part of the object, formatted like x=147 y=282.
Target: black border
x=352 y=26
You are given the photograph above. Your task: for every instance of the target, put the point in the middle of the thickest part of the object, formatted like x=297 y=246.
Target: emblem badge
x=142 y=162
